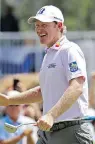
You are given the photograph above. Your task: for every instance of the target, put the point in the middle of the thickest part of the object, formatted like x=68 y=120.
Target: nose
x=39 y=31
x=39 y=28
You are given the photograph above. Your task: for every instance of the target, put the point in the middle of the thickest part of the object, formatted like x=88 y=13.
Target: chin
x=43 y=42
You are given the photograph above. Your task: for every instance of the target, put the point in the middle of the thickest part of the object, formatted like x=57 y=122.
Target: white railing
x=22 y=52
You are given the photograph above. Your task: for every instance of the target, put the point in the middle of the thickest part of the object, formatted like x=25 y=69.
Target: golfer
x=63 y=84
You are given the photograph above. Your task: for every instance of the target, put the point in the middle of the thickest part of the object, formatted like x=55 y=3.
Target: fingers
x=44 y=126
x=45 y=122
x=27 y=132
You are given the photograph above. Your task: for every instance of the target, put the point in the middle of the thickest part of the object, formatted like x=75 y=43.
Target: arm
x=12 y=140
x=92 y=91
x=16 y=139
x=28 y=133
x=69 y=98
x=29 y=96
x=30 y=139
x=65 y=102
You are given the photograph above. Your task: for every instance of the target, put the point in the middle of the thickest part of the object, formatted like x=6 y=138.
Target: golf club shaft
x=81 y=118
x=26 y=124
x=88 y=118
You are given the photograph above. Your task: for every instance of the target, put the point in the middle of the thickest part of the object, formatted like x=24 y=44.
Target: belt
x=65 y=124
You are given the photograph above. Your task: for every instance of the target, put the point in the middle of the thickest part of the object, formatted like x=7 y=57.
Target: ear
x=60 y=24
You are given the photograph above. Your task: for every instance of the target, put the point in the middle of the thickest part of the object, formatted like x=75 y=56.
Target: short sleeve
x=74 y=63
x=3 y=132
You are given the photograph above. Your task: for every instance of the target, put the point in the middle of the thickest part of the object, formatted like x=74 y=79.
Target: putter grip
x=89 y=118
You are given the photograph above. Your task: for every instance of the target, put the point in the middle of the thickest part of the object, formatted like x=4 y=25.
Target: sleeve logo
x=73 y=66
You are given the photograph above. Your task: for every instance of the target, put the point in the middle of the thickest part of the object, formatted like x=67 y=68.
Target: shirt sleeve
x=2 y=130
x=74 y=63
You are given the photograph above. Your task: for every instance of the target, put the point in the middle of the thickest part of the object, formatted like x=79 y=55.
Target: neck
x=55 y=39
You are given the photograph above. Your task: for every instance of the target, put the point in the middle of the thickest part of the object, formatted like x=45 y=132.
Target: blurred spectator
x=91 y=112
x=33 y=111
x=9 y=23
x=24 y=135
x=17 y=85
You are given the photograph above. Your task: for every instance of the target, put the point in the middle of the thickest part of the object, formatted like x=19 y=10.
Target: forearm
x=92 y=93
x=3 y=100
x=30 y=96
x=12 y=140
x=66 y=101
x=30 y=140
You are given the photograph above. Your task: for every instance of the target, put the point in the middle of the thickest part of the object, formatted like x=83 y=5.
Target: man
x=63 y=84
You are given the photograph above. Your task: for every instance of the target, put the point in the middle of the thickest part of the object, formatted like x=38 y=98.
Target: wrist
x=52 y=115
x=22 y=135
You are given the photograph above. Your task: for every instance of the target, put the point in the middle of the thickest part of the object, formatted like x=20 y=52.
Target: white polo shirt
x=63 y=62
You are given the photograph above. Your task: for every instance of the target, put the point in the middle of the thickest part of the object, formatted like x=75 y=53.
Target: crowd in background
x=19 y=114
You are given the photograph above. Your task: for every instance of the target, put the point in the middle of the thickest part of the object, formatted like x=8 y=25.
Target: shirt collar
x=58 y=44
x=10 y=121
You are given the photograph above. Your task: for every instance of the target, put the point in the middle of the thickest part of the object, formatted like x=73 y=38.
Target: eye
x=36 y=26
x=44 y=25
x=40 y=26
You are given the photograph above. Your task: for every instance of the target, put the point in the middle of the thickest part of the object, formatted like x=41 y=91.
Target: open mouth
x=42 y=35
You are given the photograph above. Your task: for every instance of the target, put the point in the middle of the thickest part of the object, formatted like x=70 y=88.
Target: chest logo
x=52 y=65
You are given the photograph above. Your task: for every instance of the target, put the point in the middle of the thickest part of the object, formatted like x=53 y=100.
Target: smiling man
x=63 y=84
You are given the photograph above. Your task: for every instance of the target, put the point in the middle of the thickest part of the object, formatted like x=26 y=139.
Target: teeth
x=42 y=34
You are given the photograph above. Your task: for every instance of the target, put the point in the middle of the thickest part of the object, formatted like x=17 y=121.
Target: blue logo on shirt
x=73 y=66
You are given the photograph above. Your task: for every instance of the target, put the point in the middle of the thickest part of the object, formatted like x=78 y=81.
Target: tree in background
x=79 y=15
x=26 y=9
x=90 y=19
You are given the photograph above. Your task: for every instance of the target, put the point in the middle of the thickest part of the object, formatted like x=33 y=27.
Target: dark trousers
x=74 y=132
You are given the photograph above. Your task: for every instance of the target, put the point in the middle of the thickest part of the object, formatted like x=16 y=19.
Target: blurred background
x=21 y=54
x=20 y=50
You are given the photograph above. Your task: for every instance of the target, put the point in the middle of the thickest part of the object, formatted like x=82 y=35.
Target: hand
x=27 y=132
x=45 y=122
x=93 y=75
x=30 y=112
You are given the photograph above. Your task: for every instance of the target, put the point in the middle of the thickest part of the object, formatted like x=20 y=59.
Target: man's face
x=47 y=32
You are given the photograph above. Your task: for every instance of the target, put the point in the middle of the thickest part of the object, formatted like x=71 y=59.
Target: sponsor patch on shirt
x=57 y=44
x=73 y=66
x=52 y=65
